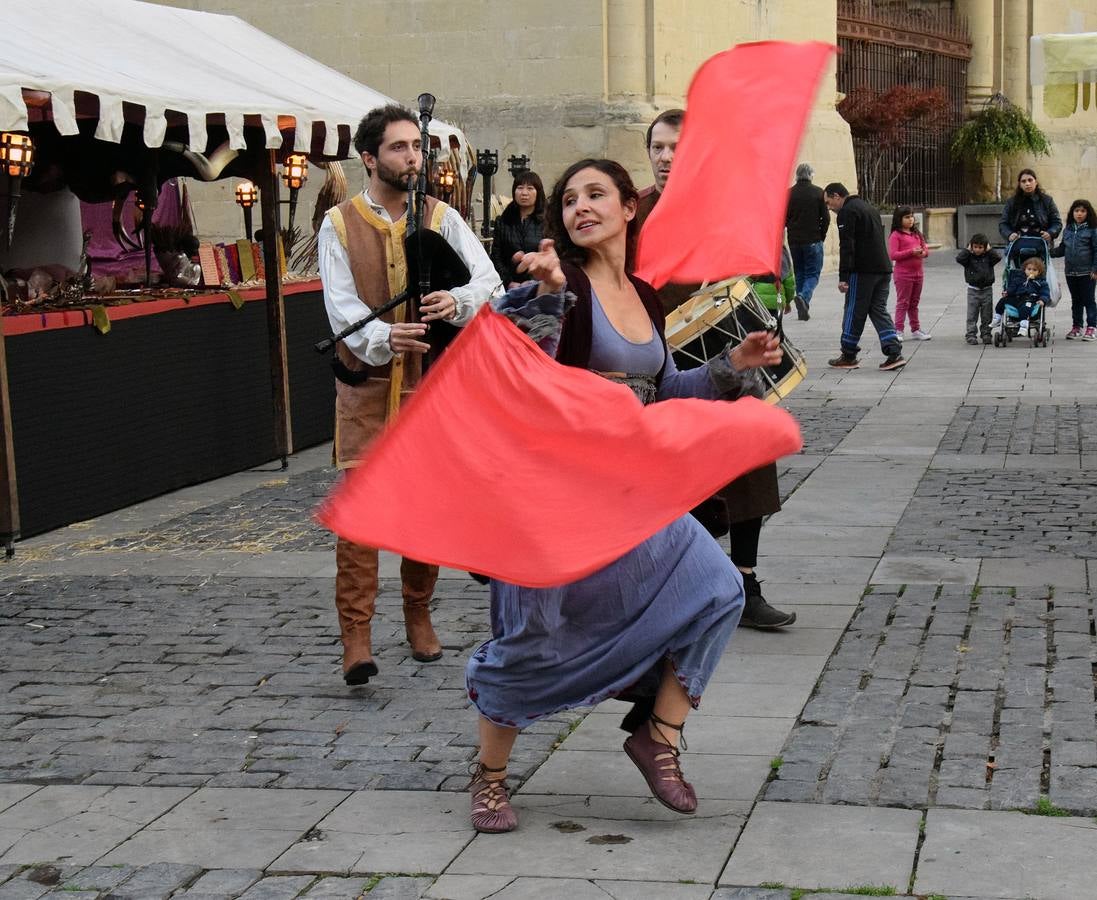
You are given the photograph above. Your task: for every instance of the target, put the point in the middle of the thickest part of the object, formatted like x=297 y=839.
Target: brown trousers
x=356 y=597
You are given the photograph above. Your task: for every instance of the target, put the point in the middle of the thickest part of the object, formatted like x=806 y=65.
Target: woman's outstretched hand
x=544 y=265
x=758 y=349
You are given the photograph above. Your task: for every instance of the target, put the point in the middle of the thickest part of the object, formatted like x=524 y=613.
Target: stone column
x=1015 y=33
x=980 y=78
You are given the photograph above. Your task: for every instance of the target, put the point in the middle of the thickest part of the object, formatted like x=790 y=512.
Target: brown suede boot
x=355 y=600
x=418 y=584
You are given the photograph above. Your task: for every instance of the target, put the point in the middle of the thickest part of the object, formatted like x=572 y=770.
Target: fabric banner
x=507 y=463
x=722 y=212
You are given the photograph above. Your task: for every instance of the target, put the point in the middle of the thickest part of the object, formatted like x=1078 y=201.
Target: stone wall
x=554 y=81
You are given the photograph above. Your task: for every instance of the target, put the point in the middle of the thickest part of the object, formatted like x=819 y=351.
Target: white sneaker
x=1022 y=328
x=899 y=336
x=921 y=336
x=996 y=321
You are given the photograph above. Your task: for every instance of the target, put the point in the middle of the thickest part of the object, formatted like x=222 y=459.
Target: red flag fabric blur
x=722 y=212
x=507 y=463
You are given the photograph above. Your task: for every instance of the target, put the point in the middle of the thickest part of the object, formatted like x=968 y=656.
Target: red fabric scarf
x=722 y=212
x=507 y=463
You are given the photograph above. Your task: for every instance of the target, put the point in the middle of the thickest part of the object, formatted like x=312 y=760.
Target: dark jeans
x=867 y=298
x=1082 y=296
x=807 y=265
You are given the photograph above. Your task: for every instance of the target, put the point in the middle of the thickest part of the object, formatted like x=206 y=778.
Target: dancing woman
x=652 y=625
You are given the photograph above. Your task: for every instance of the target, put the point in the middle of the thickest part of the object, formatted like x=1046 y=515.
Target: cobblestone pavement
x=1019 y=428
x=162 y=880
x=188 y=648
x=233 y=682
x=1002 y=513
x=952 y=697
x=825 y=425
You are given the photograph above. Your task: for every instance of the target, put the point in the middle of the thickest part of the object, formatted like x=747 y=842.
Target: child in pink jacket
x=907 y=248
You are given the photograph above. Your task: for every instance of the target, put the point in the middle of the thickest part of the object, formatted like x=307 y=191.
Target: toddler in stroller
x=1021 y=311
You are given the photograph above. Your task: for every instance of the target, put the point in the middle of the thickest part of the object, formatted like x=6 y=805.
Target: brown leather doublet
x=375 y=248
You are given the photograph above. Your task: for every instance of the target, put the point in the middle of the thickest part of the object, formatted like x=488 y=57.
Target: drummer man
x=736 y=510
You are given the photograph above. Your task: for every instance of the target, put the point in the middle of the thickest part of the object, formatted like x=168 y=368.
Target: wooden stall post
x=276 y=308
x=9 y=495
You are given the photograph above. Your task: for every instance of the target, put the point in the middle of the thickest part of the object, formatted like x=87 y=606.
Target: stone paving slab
x=466 y=887
x=713 y=776
x=384 y=831
x=228 y=828
x=826 y=540
x=1006 y=854
x=1064 y=573
x=79 y=823
x=10 y=794
x=608 y=838
x=925 y=569
x=782 y=593
x=779 y=701
x=834 y=847
x=738 y=736
x=773 y=669
x=810 y=615
x=818 y=568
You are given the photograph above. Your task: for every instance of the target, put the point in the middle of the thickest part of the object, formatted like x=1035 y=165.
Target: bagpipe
x=432 y=265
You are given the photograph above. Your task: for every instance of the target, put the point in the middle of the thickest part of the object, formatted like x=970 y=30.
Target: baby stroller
x=1021 y=250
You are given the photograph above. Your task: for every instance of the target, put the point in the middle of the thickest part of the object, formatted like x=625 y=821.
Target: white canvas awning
x=172 y=62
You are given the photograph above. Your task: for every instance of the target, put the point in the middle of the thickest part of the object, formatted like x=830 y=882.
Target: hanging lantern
x=295 y=170
x=16 y=153
x=16 y=159
x=246 y=194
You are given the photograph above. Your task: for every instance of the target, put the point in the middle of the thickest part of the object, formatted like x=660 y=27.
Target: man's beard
x=393 y=178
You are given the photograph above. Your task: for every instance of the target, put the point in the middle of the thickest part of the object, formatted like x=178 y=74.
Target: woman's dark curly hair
x=554 y=217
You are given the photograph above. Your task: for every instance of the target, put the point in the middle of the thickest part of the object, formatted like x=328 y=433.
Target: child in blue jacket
x=1079 y=247
x=1025 y=296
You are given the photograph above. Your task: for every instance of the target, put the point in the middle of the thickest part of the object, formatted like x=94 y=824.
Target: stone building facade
x=575 y=78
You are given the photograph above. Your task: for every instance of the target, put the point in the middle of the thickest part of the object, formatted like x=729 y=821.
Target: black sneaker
x=895 y=361
x=759 y=614
x=801 y=308
x=844 y=361
x=972 y=339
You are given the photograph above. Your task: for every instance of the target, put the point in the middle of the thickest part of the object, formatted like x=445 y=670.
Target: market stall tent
x=124 y=60
x=122 y=87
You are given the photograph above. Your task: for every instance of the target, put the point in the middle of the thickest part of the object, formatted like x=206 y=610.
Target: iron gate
x=884 y=47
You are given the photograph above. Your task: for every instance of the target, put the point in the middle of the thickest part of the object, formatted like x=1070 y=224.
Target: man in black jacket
x=864 y=276
x=807 y=221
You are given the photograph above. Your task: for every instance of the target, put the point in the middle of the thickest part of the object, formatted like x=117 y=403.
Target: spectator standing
x=807 y=220
x=1030 y=211
x=864 y=276
x=1079 y=247
x=907 y=248
x=979 y=261
x=520 y=227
